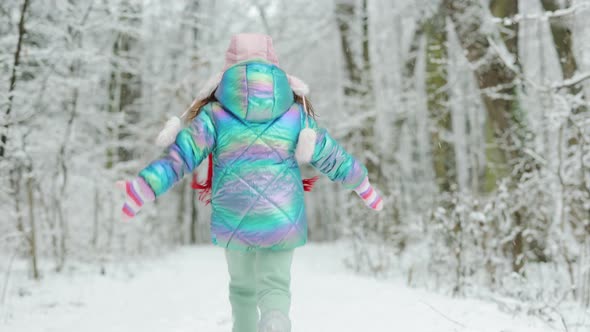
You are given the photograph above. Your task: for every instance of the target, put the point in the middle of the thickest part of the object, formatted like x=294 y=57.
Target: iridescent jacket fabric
x=252 y=130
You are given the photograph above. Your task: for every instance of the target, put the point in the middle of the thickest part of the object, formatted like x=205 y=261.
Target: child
x=254 y=119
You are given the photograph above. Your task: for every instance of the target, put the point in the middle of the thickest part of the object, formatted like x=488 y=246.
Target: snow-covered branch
x=545 y=16
x=574 y=80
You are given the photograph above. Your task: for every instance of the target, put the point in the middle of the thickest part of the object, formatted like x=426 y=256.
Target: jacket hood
x=255 y=91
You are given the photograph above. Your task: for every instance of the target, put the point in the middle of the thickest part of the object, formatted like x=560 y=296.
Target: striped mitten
x=137 y=193
x=366 y=191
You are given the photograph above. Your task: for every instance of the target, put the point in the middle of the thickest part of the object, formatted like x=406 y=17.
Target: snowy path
x=186 y=291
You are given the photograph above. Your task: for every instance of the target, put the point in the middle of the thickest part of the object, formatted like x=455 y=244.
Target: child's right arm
x=192 y=145
x=331 y=159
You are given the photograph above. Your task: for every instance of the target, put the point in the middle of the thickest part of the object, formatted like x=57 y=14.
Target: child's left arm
x=330 y=158
x=191 y=147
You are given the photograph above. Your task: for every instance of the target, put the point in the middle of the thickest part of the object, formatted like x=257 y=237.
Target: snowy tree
x=471 y=116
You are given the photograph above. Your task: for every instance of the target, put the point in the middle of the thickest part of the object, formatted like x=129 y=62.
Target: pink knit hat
x=242 y=47
x=247 y=46
x=250 y=46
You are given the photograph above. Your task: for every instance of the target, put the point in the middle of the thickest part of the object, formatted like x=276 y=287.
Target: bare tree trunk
x=60 y=239
x=365 y=45
x=95 y=222
x=180 y=229
x=194 y=217
x=443 y=151
x=409 y=77
x=495 y=79
x=32 y=225
x=358 y=87
x=352 y=19
x=345 y=15
x=495 y=75
x=15 y=180
x=507 y=9
x=61 y=173
x=12 y=86
x=124 y=85
x=562 y=37
x=504 y=9
x=63 y=238
x=193 y=7
x=458 y=251
x=584 y=271
x=28 y=234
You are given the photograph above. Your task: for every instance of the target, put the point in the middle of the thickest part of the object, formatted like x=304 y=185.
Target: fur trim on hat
x=209 y=87
x=174 y=125
x=298 y=86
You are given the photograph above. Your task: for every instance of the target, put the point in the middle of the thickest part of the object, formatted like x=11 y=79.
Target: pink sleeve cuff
x=369 y=195
x=145 y=192
x=363 y=186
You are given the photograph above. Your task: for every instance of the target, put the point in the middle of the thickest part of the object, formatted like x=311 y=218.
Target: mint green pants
x=259 y=280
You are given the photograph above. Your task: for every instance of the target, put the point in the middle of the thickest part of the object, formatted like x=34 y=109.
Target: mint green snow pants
x=260 y=280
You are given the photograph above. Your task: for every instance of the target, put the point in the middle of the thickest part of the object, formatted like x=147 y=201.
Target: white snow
x=187 y=291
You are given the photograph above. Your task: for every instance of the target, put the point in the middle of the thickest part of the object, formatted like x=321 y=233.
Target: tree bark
x=365 y=44
x=33 y=226
x=357 y=57
x=443 y=152
x=12 y=86
x=124 y=84
x=497 y=82
x=345 y=15
x=506 y=9
x=562 y=37
x=180 y=229
x=357 y=60
x=495 y=79
x=96 y=216
x=194 y=217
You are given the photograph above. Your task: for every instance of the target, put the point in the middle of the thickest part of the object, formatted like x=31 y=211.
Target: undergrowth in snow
x=186 y=290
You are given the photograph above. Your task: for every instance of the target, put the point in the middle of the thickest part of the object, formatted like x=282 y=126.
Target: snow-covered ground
x=187 y=291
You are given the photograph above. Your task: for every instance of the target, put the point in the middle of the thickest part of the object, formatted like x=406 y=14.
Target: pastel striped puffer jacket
x=251 y=131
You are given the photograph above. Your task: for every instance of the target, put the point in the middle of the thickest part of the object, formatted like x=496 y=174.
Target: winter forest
x=472 y=117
